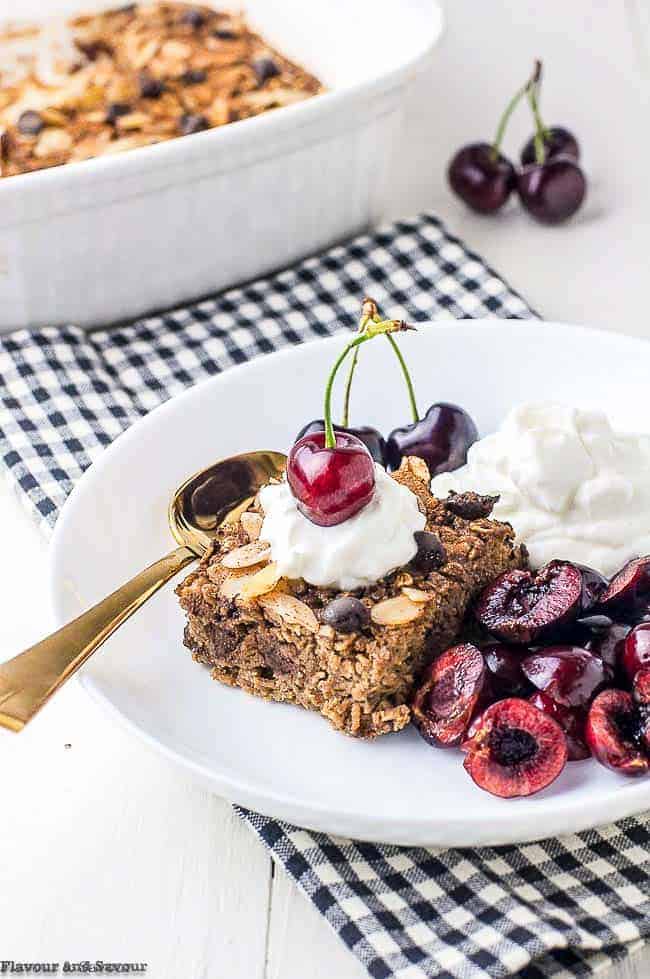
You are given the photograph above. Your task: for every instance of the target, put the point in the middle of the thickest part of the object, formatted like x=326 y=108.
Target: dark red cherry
x=441 y=438
x=552 y=192
x=615 y=732
x=524 y=607
x=571 y=720
x=481 y=178
x=371 y=438
x=636 y=651
x=505 y=673
x=514 y=749
x=557 y=141
x=609 y=643
x=330 y=485
x=448 y=695
x=628 y=593
x=569 y=675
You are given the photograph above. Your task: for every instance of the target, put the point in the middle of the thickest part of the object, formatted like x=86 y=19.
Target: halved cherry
x=522 y=607
x=514 y=749
x=447 y=697
x=614 y=732
x=629 y=590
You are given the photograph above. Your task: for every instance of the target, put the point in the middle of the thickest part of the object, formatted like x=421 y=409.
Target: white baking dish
x=96 y=242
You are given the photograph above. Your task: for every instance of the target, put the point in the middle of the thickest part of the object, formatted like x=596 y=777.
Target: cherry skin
x=553 y=191
x=558 y=141
x=636 y=650
x=330 y=485
x=441 y=438
x=481 y=179
x=371 y=438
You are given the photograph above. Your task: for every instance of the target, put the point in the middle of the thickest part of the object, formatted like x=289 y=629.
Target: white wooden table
x=106 y=851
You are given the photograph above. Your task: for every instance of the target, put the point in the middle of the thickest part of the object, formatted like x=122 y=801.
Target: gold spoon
x=214 y=496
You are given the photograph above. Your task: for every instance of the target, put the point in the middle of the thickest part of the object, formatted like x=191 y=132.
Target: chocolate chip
x=264 y=69
x=30 y=123
x=345 y=615
x=194 y=76
x=150 y=88
x=117 y=109
x=92 y=49
x=225 y=33
x=193 y=18
x=189 y=124
x=430 y=555
x=470 y=506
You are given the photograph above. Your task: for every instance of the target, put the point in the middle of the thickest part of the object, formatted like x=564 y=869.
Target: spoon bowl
x=198 y=508
x=220 y=494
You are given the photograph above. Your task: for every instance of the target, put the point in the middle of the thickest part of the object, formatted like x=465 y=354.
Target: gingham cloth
x=566 y=907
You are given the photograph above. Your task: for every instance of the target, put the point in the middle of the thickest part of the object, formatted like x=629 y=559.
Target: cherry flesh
x=330 y=485
x=616 y=733
x=553 y=191
x=481 y=178
x=557 y=141
x=514 y=749
x=522 y=607
x=448 y=695
x=372 y=439
x=441 y=438
x=568 y=674
x=571 y=720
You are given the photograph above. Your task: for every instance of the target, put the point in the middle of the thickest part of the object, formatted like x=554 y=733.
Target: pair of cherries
x=331 y=468
x=550 y=183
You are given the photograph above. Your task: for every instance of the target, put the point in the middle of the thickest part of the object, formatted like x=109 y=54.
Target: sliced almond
x=250 y=554
x=418 y=467
x=417 y=595
x=290 y=610
x=260 y=583
x=252 y=524
x=232 y=587
x=395 y=611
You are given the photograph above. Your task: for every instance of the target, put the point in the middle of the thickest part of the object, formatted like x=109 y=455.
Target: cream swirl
x=571 y=487
x=352 y=554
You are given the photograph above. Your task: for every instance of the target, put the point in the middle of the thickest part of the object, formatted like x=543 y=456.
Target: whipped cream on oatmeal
x=571 y=486
x=352 y=554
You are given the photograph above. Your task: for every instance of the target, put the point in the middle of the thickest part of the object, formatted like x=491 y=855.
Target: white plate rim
x=569 y=816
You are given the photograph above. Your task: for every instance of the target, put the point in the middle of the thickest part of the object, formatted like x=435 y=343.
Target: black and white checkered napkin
x=566 y=907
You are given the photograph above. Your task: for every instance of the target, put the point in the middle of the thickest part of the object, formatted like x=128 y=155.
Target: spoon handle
x=28 y=680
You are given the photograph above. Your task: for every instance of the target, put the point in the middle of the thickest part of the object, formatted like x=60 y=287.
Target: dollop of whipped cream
x=571 y=487
x=352 y=554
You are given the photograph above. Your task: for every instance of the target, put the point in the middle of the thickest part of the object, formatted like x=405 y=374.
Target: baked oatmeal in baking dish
x=131 y=76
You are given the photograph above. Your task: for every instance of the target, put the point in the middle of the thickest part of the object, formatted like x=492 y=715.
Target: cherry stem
x=371 y=329
x=407 y=378
x=510 y=108
x=345 y=420
x=541 y=132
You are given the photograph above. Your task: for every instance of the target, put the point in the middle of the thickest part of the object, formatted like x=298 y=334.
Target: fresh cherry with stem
x=441 y=437
x=332 y=474
x=371 y=437
x=480 y=174
x=553 y=187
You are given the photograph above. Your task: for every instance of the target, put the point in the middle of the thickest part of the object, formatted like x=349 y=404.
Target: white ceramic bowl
x=106 y=239
x=278 y=759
